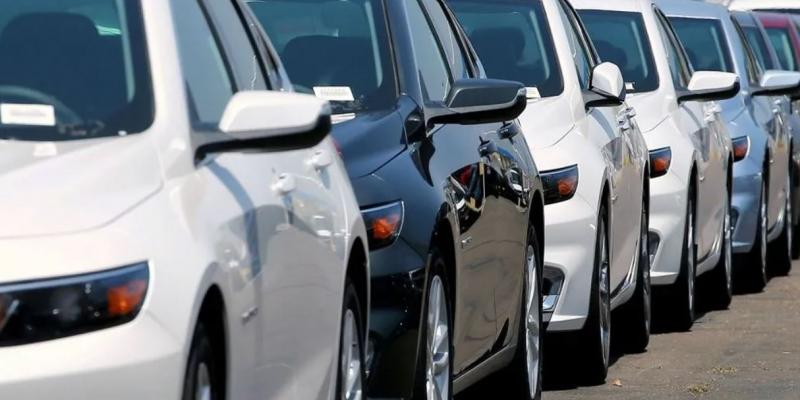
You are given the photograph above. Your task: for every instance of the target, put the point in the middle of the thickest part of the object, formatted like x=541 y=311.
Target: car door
x=610 y=128
x=286 y=229
x=463 y=156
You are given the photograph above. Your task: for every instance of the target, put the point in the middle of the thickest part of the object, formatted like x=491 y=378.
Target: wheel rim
x=763 y=233
x=644 y=264
x=690 y=262
x=728 y=247
x=351 y=384
x=202 y=389
x=788 y=217
x=438 y=360
x=532 y=322
x=605 y=298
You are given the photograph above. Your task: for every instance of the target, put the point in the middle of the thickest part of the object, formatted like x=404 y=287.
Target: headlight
x=559 y=185
x=741 y=146
x=383 y=224
x=660 y=161
x=54 y=308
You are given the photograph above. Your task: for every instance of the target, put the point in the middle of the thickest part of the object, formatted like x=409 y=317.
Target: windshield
x=783 y=47
x=513 y=41
x=620 y=38
x=704 y=42
x=759 y=46
x=336 y=49
x=72 y=69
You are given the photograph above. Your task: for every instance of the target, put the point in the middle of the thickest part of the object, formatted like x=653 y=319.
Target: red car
x=783 y=33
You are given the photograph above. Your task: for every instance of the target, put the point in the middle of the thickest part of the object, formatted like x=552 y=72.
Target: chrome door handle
x=321 y=159
x=285 y=184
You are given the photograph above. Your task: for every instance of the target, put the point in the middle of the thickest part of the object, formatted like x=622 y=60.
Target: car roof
x=745 y=18
x=773 y=20
x=691 y=8
x=763 y=4
x=616 y=5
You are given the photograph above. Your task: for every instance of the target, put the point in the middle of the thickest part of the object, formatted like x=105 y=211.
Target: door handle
x=321 y=159
x=286 y=184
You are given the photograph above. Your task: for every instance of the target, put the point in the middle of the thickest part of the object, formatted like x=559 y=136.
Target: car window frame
x=686 y=69
x=754 y=71
x=577 y=28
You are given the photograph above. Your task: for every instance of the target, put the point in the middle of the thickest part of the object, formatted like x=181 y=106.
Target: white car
x=594 y=170
x=178 y=225
x=690 y=150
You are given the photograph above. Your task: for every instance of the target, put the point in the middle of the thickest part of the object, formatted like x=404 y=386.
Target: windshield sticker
x=533 y=93
x=334 y=93
x=27 y=114
x=629 y=86
x=45 y=149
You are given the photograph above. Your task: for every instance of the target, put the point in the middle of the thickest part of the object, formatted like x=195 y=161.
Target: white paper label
x=334 y=93
x=629 y=86
x=27 y=114
x=533 y=93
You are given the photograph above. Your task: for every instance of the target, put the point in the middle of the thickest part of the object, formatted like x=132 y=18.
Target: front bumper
x=570 y=241
x=667 y=227
x=394 y=324
x=135 y=361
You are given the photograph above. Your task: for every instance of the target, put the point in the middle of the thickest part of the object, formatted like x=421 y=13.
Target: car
x=782 y=6
x=593 y=162
x=762 y=198
x=180 y=220
x=690 y=150
x=767 y=58
x=448 y=188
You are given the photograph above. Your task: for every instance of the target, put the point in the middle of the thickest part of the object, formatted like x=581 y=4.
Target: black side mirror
x=480 y=101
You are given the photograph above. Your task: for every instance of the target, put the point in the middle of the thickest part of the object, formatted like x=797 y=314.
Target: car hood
x=368 y=141
x=56 y=188
x=544 y=122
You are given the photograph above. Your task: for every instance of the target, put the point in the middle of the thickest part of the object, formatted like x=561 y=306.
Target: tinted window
x=580 y=51
x=432 y=68
x=513 y=40
x=238 y=45
x=208 y=81
x=783 y=47
x=704 y=42
x=73 y=70
x=620 y=37
x=449 y=42
x=759 y=46
x=337 y=49
x=678 y=65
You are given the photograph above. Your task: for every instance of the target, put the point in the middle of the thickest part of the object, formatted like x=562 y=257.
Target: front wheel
x=681 y=297
x=526 y=369
x=437 y=382
x=780 y=254
x=636 y=314
x=721 y=282
x=202 y=371
x=351 y=348
x=752 y=272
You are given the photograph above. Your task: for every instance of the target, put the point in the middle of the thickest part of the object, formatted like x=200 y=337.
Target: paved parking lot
x=751 y=351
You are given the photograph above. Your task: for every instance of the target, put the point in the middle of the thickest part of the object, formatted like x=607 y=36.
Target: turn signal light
x=660 y=161
x=383 y=224
x=560 y=185
x=741 y=146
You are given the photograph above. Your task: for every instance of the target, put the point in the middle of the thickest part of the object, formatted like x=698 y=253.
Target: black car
x=448 y=188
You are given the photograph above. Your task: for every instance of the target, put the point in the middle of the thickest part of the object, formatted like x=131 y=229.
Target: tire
x=753 y=268
x=636 y=314
x=526 y=368
x=795 y=227
x=595 y=337
x=721 y=278
x=351 y=376
x=780 y=252
x=202 y=379
x=436 y=358
x=682 y=294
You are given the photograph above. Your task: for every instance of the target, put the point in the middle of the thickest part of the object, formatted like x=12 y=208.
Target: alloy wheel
x=605 y=299
x=763 y=231
x=532 y=322
x=203 y=389
x=351 y=385
x=437 y=370
x=728 y=246
x=644 y=264
x=788 y=217
x=691 y=259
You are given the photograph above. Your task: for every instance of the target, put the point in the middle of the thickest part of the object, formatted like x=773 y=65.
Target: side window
x=579 y=47
x=237 y=43
x=207 y=75
x=753 y=70
x=678 y=66
x=449 y=40
x=432 y=68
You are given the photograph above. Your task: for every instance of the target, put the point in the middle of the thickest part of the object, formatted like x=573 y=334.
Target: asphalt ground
x=750 y=351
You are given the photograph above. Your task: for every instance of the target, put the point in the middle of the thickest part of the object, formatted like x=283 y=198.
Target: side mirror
x=608 y=87
x=269 y=120
x=778 y=83
x=710 y=86
x=480 y=101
